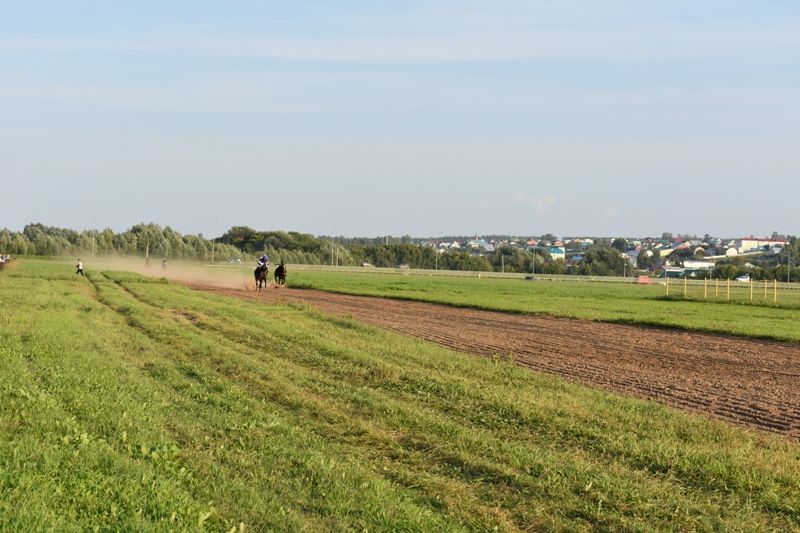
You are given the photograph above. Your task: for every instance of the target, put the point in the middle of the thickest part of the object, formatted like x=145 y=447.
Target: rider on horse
x=280 y=274
x=261 y=272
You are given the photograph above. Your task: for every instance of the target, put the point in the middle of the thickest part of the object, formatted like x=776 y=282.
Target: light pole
x=94 y=236
x=337 y=259
x=212 y=241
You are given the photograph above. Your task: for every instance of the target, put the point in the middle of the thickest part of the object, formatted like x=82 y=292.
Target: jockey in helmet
x=263 y=260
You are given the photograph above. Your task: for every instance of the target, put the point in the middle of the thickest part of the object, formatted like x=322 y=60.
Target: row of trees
x=758 y=273
x=604 y=258
x=292 y=247
x=141 y=239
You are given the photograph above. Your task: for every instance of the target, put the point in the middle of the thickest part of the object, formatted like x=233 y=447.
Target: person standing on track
x=79 y=266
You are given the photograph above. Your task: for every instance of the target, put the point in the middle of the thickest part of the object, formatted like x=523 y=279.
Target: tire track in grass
x=280 y=392
x=338 y=421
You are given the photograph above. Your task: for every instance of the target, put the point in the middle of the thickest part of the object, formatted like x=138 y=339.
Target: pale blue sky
x=425 y=118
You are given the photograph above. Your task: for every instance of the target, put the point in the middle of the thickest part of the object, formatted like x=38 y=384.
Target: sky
x=435 y=117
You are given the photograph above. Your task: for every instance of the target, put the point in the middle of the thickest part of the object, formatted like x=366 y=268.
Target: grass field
x=605 y=302
x=129 y=403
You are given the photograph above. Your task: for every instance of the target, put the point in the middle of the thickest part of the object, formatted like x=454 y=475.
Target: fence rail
x=762 y=291
x=675 y=285
x=457 y=273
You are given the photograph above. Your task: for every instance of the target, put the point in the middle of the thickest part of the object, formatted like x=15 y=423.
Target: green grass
x=128 y=403
x=604 y=302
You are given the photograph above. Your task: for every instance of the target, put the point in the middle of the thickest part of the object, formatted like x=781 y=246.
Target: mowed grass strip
x=602 y=302
x=131 y=403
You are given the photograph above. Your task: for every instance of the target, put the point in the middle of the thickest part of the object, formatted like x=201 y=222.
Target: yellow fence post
x=705 y=289
x=766 y=285
x=751 y=291
x=729 y=290
x=775 y=296
x=716 y=288
x=685 y=281
x=666 y=282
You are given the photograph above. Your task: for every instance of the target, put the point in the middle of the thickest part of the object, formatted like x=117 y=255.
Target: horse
x=260 y=274
x=280 y=275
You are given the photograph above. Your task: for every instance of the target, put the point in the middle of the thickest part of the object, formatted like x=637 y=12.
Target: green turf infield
x=129 y=403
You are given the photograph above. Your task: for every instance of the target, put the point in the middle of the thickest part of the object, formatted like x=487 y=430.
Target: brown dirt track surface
x=751 y=382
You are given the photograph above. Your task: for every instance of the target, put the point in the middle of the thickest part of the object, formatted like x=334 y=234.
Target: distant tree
x=464 y=261
x=620 y=244
x=552 y=267
x=677 y=257
x=645 y=260
x=725 y=271
x=602 y=261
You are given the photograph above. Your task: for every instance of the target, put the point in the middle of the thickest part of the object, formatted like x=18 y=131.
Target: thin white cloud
x=78 y=92
x=540 y=204
x=451 y=48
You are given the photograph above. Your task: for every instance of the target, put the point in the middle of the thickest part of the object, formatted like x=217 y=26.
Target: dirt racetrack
x=751 y=382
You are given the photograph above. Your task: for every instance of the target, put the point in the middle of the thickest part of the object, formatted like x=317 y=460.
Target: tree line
x=240 y=242
x=604 y=258
x=141 y=239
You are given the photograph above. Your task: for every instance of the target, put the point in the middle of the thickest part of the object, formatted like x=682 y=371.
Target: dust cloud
x=223 y=275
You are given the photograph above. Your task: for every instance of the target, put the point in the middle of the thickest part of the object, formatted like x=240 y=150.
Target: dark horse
x=261 y=276
x=280 y=275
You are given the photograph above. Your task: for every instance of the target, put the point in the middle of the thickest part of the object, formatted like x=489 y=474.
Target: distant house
x=574 y=259
x=698 y=266
x=752 y=244
x=558 y=252
x=673 y=272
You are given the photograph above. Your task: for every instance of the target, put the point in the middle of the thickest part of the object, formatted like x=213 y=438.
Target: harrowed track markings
x=751 y=382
